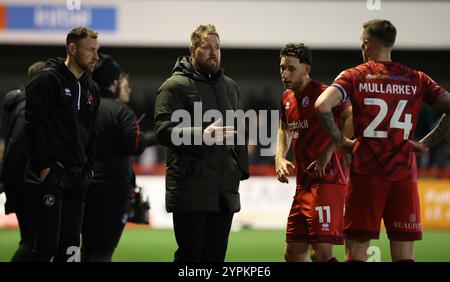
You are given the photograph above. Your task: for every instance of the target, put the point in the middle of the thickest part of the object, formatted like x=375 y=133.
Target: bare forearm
x=283 y=143
x=347 y=128
x=441 y=130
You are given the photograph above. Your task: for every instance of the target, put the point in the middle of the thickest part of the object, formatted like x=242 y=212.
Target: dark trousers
x=58 y=207
x=105 y=217
x=23 y=213
x=201 y=237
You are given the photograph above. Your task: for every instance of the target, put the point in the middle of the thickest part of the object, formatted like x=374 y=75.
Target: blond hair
x=200 y=31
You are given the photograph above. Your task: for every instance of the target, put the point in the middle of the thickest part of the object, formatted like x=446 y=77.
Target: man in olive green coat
x=202 y=180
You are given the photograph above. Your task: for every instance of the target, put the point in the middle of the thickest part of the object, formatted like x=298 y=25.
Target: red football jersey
x=386 y=99
x=309 y=138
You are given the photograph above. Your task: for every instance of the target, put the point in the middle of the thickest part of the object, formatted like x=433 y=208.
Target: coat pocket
x=181 y=169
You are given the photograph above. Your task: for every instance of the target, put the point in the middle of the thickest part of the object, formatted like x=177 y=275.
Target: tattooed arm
x=329 y=99
x=319 y=165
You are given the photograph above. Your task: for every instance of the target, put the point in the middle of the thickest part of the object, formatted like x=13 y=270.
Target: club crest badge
x=90 y=99
x=48 y=200
x=305 y=102
x=286 y=107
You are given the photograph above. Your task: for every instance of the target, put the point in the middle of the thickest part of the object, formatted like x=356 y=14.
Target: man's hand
x=283 y=168
x=320 y=164
x=419 y=147
x=216 y=134
x=345 y=144
x=44 y=174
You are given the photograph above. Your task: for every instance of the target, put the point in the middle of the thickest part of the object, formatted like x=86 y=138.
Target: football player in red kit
x=386 y=98
x=316 y=216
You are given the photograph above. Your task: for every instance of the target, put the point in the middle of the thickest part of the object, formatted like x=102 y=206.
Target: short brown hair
x=382 y=30
x=79 y=33
x=201 y=30
x=35 y=67
x=299 y=51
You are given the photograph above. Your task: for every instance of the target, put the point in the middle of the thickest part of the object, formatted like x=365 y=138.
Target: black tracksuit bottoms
x=201 y=236
x=105 y=217
x=23 y=212
x=57 y=208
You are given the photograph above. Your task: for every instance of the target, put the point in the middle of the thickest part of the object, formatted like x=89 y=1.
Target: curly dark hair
x=299 y=51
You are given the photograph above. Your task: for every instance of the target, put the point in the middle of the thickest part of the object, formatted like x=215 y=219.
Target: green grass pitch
x=147 y=245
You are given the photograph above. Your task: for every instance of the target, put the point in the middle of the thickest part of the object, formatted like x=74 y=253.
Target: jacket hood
x=106 y=71
x=184 y=66
x=105 y=93
x=57 y=64
x=13 y=98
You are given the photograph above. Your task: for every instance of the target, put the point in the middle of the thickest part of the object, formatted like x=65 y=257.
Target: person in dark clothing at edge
x=139 y=204
x=118 y=137
x=202 y=181
x=60 y=113
x=14 y=162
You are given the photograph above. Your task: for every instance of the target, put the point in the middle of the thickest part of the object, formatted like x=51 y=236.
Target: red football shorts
x=317 y=214
x=370 y=200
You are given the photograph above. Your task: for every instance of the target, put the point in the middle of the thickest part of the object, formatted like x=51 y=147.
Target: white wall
x=253 y=23
x=265 y=202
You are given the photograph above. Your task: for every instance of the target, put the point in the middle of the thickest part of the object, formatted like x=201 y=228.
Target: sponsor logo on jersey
x=67 y=92
x=387 y=77
x=295 y=126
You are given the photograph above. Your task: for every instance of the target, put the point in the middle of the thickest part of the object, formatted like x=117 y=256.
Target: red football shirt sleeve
x=431 y=89
x=343 y=83
x=340 y=108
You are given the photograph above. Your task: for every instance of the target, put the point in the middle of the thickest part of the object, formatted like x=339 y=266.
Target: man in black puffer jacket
x=60 y=113
x=118 y=137
x=202 y=181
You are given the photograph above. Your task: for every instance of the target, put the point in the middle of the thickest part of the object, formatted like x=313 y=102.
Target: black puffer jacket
x=15 y=153
x=60 y=118
x=199 y=177
x=118 y=137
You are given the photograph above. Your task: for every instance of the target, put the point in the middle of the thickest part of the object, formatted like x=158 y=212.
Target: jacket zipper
x=79 y=94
